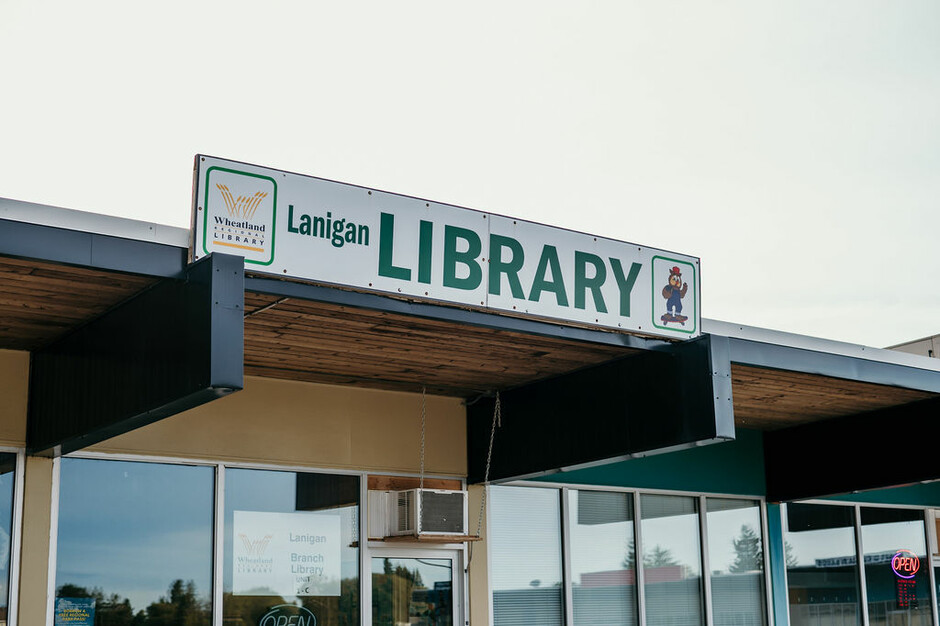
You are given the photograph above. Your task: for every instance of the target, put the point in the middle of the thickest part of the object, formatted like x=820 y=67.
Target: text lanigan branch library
x=329 y=405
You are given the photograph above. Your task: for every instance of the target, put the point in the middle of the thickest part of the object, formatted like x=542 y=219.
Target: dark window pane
x=136 y=538
x=671 y=557
x=291 y=538
x=897 y=577
x=822 y=569
x=603 y=558
x=7 y=475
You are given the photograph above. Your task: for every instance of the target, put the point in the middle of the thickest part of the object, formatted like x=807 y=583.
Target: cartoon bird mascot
x=673 y=293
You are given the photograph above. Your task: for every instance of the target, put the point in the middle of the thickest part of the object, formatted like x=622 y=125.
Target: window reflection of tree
x=182 y=606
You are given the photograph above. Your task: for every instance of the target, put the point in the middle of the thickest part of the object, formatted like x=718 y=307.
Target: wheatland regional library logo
x=239 y=216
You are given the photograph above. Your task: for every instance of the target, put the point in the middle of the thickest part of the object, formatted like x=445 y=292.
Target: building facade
x=192 y=442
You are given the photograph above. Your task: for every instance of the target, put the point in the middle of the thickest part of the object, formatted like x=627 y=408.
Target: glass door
x=415 y=587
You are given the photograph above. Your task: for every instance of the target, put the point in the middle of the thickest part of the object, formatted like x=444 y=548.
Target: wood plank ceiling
x=40 y=302
x=325 y=343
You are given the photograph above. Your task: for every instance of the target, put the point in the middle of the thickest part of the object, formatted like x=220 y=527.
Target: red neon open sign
x=905 y=564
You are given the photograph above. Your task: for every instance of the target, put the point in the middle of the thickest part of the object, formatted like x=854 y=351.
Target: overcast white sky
x=793 y=146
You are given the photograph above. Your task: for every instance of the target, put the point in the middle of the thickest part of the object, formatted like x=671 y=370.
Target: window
x=526 y=573
x=822 y=569
x=603 y=558
x=615 y=571
x=671 y=560
x=291 y=548
x=7 y=476
x=135 y=542
x=897 y=575
x=736 y=562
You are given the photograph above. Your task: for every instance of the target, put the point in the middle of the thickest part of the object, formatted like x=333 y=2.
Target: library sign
x=332 y=233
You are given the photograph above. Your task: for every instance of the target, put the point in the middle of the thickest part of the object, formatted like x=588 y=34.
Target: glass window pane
x=526 y=550
x=603 y=558
x=135 y=541
x=897 y=577
x=671 y=557
x=417 y=592
x=7 y=474
x=736 y=561
x=291 y=548
x=822 y=569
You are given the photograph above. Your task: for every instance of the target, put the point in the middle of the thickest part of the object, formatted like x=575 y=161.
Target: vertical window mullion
x=365 y=558
x=218 y=541
x=638 y=559
x=929 y=530
x=860 y=560
x=765 y=544
x=706 y=571
x=566 y=559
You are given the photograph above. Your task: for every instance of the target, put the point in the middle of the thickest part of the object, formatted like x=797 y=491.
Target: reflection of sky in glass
x=133 y=528
x=597 y=547
x=431 y=570
x=724 y=527
x=7 y=465
x=526 y=537
x=677 y=533
x=276 y=492
x=806 y=546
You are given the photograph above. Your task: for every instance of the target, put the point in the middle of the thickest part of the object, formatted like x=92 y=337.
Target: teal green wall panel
x=778 y=570
x=732 y=467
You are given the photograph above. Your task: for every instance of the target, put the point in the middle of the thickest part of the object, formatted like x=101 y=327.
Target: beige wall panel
x=34 y=561
x=307 y=424
x=478 y=593
x=14 y=389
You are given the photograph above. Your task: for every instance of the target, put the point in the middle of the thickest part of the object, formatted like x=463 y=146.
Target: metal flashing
x=94 y=223
x=85 y=249
x=817 y=344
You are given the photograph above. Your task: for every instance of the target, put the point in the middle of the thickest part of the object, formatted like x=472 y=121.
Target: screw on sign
x=905 y=564
x=288 y=615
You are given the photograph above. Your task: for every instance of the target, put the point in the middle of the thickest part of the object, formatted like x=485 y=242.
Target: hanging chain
x=424 y=417
x=497 y=419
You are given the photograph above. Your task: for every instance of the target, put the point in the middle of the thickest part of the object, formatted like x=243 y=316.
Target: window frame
x=218 y=525
x=16 y=532
x=927 y=517
x=564 y=488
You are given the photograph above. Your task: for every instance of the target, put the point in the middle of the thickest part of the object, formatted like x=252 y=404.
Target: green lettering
x=304 y=224
x=386 y=242
x=290 y=219
x=424 y=252
x=582 y=283
x=468 y=257
x=556 y=285
x=510 y=268
x=625 y=284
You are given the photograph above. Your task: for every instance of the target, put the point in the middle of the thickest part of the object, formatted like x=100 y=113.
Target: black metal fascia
x=444 y=313
x=104 y=252
x=873 y=450
x=649 y=403
x=172 y=347
x=772 y=356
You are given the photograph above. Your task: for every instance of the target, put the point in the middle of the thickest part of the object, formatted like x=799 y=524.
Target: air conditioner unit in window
x=427 y=512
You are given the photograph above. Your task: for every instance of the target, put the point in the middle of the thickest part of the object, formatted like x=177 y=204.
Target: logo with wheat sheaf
x=240 y=209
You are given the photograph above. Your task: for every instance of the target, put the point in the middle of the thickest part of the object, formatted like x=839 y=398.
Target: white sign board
x=286 y=554
x=332 y=233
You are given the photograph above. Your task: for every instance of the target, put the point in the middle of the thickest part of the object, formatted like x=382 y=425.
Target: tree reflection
x=181 y=606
